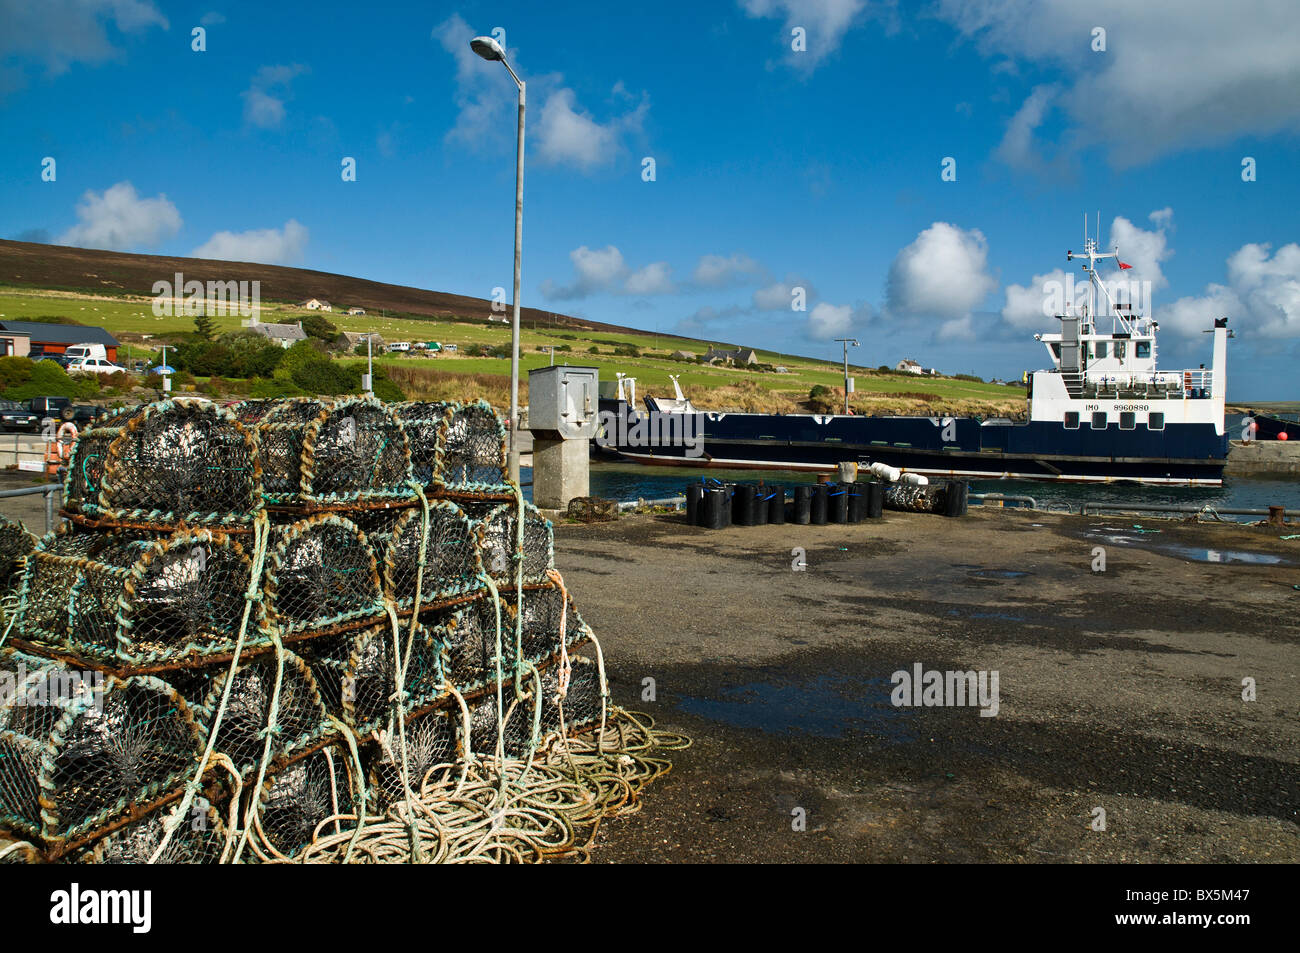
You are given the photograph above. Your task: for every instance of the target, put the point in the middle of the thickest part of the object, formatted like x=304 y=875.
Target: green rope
x=261 y=534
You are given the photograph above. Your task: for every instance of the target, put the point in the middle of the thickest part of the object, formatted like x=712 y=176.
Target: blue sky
x=775 y=168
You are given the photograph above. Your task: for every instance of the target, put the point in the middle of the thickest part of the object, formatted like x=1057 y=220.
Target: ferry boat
x=1101 y=413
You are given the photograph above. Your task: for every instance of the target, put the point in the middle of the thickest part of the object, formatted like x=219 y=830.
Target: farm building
x=356 y=310
x=908 y=366
x=741 y=355
x=350 y=340
x=316 y=304
x=285 y=335
x=43 y=340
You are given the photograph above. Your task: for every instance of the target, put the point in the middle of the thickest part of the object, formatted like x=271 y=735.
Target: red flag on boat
x=1122 y=265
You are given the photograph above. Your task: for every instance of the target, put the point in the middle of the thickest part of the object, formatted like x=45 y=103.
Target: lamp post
x=490 y=49
x=846 y=342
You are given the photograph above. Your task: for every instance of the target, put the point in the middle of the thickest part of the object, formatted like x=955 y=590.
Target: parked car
x=16 y=417
x=94 y=365
x=59 y=408
x=62 y=409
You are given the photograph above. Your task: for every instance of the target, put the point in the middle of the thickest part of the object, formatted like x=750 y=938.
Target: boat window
x=1056 y=351
x=1099 y=420
x=1100 y=349
x=1119 y=350
x=1142 y=349
x=1156 y=421
x=1127 y=420
x=1071 y=420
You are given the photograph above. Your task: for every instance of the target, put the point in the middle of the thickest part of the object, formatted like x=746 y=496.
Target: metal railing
x=47 y=490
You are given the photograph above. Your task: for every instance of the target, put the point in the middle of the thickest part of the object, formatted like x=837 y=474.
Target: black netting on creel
x=469 y=638
x=15 y=544
x=542 y=612
x=582 y=707
x=321 y=572
x=109 y=595
x=451 y=556
x=300 y=715
x=333 y=452
x=424 y=422
x=378 y=524
x=128 y=746
x=469 y=635
x=174 y=461
x=199 y=839
x=370 y=680
x=308 y=791
x=359 y=450
x=471 y=453
x=327 y=657
x=916 y=499
x=498 y=528
x=40 y=692
x=430 y=742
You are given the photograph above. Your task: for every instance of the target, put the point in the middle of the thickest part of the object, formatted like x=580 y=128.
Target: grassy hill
x=114 y=291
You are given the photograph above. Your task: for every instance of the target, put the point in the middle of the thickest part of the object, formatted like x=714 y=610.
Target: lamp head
x=487 y=47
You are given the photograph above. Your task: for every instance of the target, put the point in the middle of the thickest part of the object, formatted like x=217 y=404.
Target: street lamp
x=846 y=342
x=490 y=49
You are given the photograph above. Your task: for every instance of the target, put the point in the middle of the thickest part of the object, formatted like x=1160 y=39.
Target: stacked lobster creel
x=334 y=597
x=125 y=617
x=518 y=611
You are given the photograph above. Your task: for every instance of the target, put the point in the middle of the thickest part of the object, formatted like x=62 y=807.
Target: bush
x=969 y=377
x=47 y=379
x=14 y=371
x=819 y=390
x=317 y=327
x=321 y=376
x=626 y=350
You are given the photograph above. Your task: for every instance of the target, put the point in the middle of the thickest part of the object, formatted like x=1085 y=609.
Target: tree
x=204 y=326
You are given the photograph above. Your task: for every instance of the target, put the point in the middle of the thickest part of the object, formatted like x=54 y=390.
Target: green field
x=131 y=319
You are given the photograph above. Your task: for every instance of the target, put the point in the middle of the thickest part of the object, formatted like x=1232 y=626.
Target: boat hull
x=962 y=448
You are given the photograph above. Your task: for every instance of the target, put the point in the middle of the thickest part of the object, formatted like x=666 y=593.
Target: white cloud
x=827 y=321
x=567 y=135
x=120 y=220
x=1174 y=74
x=564 y=133
x=714 y=271
x=264 y=99
x=1261 y=298
x=779 y=295
x=59 y=33
x=653 y=279
x=1019 y=148
x=485 y=95
x=824 y=22
x=941 y=274
x=267 y=246
x=598 y=269
x=1142 y=249
x=212 y=18
x=1032 y=306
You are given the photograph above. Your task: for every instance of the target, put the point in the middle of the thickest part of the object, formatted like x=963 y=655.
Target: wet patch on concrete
x=828 y=706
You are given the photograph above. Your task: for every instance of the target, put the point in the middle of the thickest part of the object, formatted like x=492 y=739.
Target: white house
x=316 y=304
x=908 y=366
x=356 y=310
